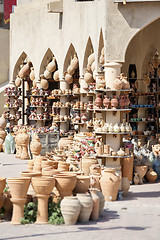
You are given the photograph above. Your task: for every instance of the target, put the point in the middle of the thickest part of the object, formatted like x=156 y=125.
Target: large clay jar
x=70 y=208
x=24 y=144
x=151 y=176
x=65 y=184
x=43 y=187
x=86 y=207
x=56 y=76
x=25 y=70
x=18 y=188
x=51 y=67
x=69 y=78
x=35 y=146
x=3 y=121
x=141 y=170
x=2 y=186
x=18 y=81
x=106 y=102
x=88 y=77
x=75 y=62
x=96 y=201
x=44 y=83
x=117 y=84
x=98 y=101
x=86 y=163
x=125 y=185
x=101 y=202
x=32 y=74
x=114 y=102
x=82 y=185
x=110 y=184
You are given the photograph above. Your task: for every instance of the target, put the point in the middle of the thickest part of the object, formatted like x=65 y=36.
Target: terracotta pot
x=56 y=76
x=151 y=176
x=91 y=58
x=82 y=184
x=71 y=70
x=141 y=170
x=47 y=74
x=18 y=81
x=51 y=67
x=70 y=208
x=63 y=166
x=65 y=184
x=86 y=207
x=30 y=174
x=110 y=184
x=32 y=74
x=49 y=173
x=106 y=102
x=98 y=101
x=95 y=210
x=75 y=62
x=19 y=186
x=95 y=168
x=125 y=185
x=25 y=70
x=35 y=145
x=68 y=78
x=86 y=163
x=117 y=84
x=101 y=202
x=114 y=102
x=44 y=84
x=88 y=77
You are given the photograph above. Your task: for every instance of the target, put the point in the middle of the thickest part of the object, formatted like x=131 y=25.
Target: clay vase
x=86 y=207
x=56 y=76
x=136 y=179
x=121 y=153
x=32 y=74
x=51 y=67
x=114 y=102
x=125 y=185
x=98 y=101
x=82 y=185
x=3 y=121
x=69 y=78
x=106 y=102
x=25 y=70
x=117 y=84
x=141 y=170
x=88 y=77
x=35 y=146
x=86 y=163
x=43 y=187
x=101 y=202
x=63 y=166
x=110 y=184
x=95 y=209
x=70 y=208
x=65 y=184
x=24 y=144
x=151 y=176
x=2 y=186
x=18 y=81
x=18 y=188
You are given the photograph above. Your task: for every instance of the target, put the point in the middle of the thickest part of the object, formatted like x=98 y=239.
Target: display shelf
x=142 y=121
x=40 y=119
x=60 y=121
x=60 y=107
x=15 y=96
x=110 y=110
x=113 y=90
x=113 y=133
x=110 y=156
x=78 y=123
x=143 y=107
x=36 y=106
x=79 y=109
x=53 y=98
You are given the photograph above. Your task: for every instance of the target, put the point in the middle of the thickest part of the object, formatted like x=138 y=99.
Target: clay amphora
x=65 y=184
x=114 y=102
x=98 y=101
x=86 y=163
x=106 y=102
x=82 y=184
x=101 y=202
x=86 y=206
x=125 y=185
x=96 y=201
x=70 y=208
x=117 y=84
x=151 y=175
x=51 y=67
x=136 y=179
x=110 y=184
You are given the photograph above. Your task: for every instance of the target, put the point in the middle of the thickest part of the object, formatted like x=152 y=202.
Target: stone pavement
x=137 y=217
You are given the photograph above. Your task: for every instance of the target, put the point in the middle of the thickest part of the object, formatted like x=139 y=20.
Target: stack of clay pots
x=89 y=76
x=2 y=131
x=71 y=69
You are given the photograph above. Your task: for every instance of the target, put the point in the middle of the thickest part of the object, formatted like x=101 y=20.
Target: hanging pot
x=88 y=77
x=51 y=66
x=91 y=59
x=56 y=76
x=75 y=62
x=69 y=78
x=47 y=74
x=70 y=70
x=25 y=70
x=32 y=74
x=44 y=84
x=18 y=81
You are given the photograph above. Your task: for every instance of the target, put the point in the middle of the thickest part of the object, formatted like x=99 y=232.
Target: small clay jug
x=117 y=84
x=114 y=102
x=136 y=179
x=98 y=101
x=106 y=102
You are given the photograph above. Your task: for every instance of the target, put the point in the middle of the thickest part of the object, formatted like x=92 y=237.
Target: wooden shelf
x=110 y=110
x=78 y=123
x=110 y=156
x=113 y=90
x=113 y=133
x=79 y=109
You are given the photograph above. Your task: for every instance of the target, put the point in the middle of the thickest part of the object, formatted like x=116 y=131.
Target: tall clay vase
x=110 y=184
x=35 y=146
x=86 y=164
x=2 y=186
x=86 y=207
x=43 y=187
x=65 y=184
x=24 y=144
x=96 y=204
x=141 y=170
x=70 y=208
x=82 y=185
x=125 y=185
x=18 y=188
x=101 y=202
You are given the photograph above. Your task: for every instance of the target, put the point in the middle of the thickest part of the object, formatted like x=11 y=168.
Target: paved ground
x=137 y=217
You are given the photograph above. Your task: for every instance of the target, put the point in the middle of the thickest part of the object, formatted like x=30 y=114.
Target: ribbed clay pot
x=151 y=176
x=82 y=185
x=86 y=164
x=70 y=208
x=125 y=185
x=101 y=202
x=86 y=207
x=109 y=184
x=65 y=184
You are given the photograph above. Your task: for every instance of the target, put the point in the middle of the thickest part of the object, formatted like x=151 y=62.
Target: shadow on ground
x=134 y=196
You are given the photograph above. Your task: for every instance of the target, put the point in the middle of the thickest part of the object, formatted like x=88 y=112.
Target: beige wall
x=4 y=55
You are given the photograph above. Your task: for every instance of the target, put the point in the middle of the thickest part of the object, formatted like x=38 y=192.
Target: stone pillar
x=112 y=70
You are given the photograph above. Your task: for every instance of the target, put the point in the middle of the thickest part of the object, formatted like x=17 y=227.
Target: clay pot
x=44 y=84
x=3 y=121
x=25 y=70
x=51 y=67
x=70 y=70
x=47 y=74
x=56 y=76
x=117 y=84
x=110 y=184
x=18 y=81
x=95 y=168
x=32 y=74
x=151 y=176
x=30 y=174
x=49 y=173
x=125 y=185
x=101 y=202
x=75 y=62
x=106 y=102
x=95 y=210
x=63 y=166
x=121 y=153
x=18 y=186
x=126 y=84
x=88 y=77
x=70 y=208
x=65 y=184
x=86 y=163
x=141 y=170
x=35 y=145
x=114 y=102
x=86 y=207
x=91 y=59
x=136 y=179
x=68 y=78
x=98 y=101
x=82 y=184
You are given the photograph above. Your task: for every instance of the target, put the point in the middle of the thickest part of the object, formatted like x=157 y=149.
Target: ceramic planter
x=86 y=207
x=82 y=185
x=65 y=184
x=70 y=208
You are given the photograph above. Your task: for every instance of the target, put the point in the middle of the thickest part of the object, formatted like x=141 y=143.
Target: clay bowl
x=19 y=186
x=43 y=185
x=65 y=183
x=141 y=170
x=82 y=185
x=2 y=184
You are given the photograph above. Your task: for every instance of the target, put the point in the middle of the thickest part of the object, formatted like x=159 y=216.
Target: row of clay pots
x=71 y=69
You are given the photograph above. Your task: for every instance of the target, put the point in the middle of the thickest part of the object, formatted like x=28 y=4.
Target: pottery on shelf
x=82 y=185
x=117 y=83
x=70 y=208
x=121 y=153
x=69 y=78
x=98 y=101
x=106 y=102
x=141 y=170
x=35 y=146
x=44 y=83
x=65 y=184
x=114 y=102
x=47 y=74
x=86 y=207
